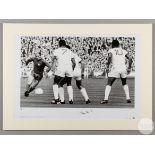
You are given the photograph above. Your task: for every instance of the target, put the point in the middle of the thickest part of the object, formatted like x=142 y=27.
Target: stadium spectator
x=92 y=50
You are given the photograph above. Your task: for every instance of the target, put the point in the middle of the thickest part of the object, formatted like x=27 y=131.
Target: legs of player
x=66 y=80
x=31 y=87
x=69 y=89
x=61 y=89
x=29 y=82
x=55 y=89
x=33 y=81
x=61 y=93
x=83 y=91
x=26 y=91
x=27 y=87
x=62 y=81
x=126 y=89
x=70 y=92
x=108 y=89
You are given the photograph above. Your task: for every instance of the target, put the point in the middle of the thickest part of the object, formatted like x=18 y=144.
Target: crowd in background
x=92 y=50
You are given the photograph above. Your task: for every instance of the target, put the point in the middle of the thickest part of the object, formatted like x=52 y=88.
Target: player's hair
x=67 y=46
x=62 y=43
x=115 y=43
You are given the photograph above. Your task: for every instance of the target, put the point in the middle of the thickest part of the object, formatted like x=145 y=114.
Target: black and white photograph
x=75 y=76
x=74 y=71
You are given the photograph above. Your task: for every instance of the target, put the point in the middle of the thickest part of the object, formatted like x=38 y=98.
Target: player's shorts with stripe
x=64 y=71
x=118 y=72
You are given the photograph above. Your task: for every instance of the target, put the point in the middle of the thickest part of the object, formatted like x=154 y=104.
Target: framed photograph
x=77 y=76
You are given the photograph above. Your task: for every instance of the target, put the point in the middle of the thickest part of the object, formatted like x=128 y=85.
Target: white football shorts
x=118 y=72
x=64 y=71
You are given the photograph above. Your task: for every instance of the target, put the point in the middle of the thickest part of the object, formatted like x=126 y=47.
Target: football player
x=65 y=64
x=117 y=59
x=37 y=72
x=78 y=74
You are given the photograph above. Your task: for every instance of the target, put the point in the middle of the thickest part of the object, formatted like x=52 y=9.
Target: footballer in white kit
x=117 y=59
x=77 y=75
x=65 y=65
x=118 y=68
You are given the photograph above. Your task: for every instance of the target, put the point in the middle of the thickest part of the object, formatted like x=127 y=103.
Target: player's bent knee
x=111 y=81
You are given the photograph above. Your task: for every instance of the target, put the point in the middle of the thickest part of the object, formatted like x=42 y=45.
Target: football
x=39 y=91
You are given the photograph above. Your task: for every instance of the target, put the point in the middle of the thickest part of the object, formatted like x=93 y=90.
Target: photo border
x=86 y=112
x=123 y=23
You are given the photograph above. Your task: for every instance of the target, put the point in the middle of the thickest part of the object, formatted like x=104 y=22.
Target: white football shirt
x=63 y=56
x=118 y=57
